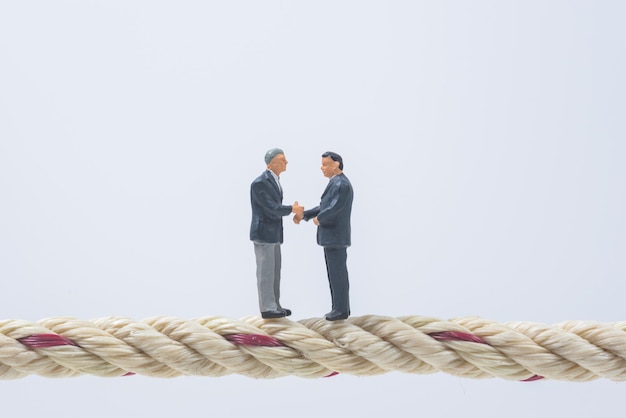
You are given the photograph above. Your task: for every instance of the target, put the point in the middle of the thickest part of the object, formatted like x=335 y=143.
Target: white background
x=485 y=142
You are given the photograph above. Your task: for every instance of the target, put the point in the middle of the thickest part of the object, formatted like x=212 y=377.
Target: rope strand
x=312 y=348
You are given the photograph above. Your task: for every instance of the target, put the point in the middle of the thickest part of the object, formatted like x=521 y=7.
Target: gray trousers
x=268 y=275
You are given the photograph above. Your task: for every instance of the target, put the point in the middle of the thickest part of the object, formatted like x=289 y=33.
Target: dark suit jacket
x=267 y=210
x=333 y=213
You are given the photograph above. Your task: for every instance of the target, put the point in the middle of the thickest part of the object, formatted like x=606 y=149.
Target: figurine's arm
x=338 y=200
x=311 y=213
x=269 y=205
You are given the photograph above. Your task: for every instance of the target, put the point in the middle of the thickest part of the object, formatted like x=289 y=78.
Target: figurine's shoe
x=286 y=311
x=276 y=313
x=337 y=315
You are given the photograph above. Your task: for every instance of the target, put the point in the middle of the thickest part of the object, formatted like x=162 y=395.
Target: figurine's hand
x=297 y=209
x=316 y=222
x=297 y=218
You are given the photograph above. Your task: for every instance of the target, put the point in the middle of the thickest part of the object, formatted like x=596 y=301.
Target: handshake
x=298 y=212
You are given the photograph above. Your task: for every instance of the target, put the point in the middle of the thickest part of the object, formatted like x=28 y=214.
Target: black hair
x=335 y=157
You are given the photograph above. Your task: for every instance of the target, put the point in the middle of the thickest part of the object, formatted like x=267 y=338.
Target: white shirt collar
x=276 y=178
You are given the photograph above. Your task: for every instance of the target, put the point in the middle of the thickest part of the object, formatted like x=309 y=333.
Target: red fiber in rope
x=46 y=341
x=253 y=340
x=533 y=378
x=457 y=336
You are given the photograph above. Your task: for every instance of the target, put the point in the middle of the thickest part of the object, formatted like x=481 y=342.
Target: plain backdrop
x=485 y=142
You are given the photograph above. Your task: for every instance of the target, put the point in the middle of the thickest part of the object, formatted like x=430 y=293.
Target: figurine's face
x=278 y=164
x=330 y=167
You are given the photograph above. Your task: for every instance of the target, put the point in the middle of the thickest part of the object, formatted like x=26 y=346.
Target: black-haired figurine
x=266 y=232
x=332 y=218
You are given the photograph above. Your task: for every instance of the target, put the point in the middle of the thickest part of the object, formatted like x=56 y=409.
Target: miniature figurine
x=332 y=218
x=266 y=231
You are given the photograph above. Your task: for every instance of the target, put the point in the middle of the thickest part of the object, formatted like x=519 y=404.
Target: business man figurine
x=266 y=231
x=332 y=218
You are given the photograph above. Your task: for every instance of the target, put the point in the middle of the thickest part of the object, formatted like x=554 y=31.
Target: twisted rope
x=367 y=345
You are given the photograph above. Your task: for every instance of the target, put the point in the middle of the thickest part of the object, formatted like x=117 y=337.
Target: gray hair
x=269 y=155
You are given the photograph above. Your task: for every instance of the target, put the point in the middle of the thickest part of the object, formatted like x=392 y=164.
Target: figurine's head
x=332 y=164
x=276 y=161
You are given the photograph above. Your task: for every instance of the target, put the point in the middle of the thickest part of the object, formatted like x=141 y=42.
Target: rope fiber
x=269 y=348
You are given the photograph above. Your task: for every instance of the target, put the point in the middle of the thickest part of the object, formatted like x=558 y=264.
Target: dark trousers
x=337 y=270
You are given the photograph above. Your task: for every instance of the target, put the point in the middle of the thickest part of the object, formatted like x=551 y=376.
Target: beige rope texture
x=362 y=346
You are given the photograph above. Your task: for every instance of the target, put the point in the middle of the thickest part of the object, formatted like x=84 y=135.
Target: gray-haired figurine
x=332 y=218
x=266 y=232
